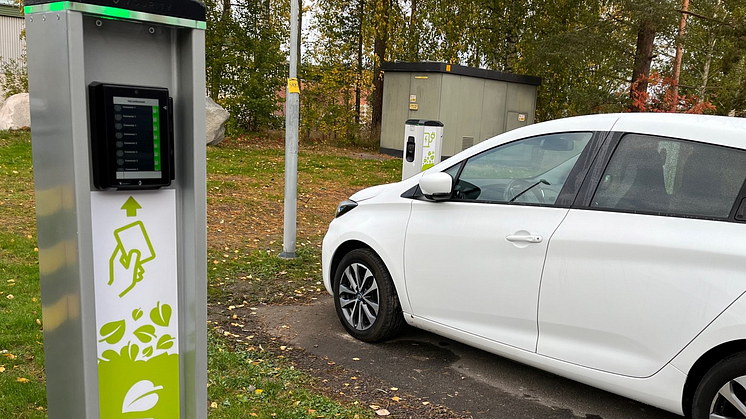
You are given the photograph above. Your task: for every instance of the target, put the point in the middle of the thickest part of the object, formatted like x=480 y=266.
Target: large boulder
x=215 y=120
x=14 y=113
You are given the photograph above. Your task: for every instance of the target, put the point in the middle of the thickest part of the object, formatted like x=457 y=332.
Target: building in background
x=473 y=104
x=12 y=47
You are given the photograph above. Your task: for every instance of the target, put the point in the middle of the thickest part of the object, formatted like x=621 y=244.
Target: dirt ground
x=329 y=378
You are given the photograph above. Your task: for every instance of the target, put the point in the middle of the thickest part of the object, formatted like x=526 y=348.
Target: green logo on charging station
x=138 y=370
x=141 y=378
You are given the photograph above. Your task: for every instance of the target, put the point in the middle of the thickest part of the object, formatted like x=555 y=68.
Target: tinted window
x=531 y=170
x=660 y=175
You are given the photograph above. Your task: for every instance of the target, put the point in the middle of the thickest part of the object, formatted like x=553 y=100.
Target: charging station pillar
x=117 y=94
x=423 y=144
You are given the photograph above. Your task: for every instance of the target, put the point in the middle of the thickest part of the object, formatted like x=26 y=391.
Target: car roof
x=721 y=130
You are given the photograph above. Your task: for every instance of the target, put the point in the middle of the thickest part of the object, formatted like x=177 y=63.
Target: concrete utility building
x=474 y=104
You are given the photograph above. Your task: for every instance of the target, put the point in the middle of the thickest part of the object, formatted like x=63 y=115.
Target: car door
x=474 y=263
x=636 y=272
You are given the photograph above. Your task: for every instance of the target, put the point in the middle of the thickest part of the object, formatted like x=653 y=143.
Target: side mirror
x=437 y=186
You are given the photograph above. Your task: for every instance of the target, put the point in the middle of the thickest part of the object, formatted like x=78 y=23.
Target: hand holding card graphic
x=132 y=251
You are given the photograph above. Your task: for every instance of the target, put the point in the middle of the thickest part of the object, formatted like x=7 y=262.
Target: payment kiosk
x=117 y=93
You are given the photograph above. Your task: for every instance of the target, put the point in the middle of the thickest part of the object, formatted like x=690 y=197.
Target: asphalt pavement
x=468 y=381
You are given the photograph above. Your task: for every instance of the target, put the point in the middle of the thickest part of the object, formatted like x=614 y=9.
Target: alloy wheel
x=730 y=400
x=358 y=296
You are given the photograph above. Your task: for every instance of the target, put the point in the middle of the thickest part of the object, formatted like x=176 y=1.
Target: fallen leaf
x=22 y=380
x=214 y=405
x=374 y=407
x=38 y=322
x=10 y=296
x=382 y=412
x=394 y=388
x=395 y=398
x=356 y=359
x=2 y=369
x=426 y=403
x=258 y=391
x=9 y=356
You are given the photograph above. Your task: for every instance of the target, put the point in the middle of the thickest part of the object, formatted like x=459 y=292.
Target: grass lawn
x=245 y=201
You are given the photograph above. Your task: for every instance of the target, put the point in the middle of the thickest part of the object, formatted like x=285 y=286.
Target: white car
x=609 y=249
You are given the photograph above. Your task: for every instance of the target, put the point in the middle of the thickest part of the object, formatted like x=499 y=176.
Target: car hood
x=369 y=193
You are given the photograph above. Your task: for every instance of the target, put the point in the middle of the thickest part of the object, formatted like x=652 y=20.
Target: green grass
x=22 y=386
x=246 y=383
x=245 y=192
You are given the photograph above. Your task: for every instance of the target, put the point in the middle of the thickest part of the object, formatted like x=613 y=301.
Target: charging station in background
x=117 y=92
x=423 y=145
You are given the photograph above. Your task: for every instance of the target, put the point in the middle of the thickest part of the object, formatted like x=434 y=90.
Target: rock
x=14 y=113
x=215 y=120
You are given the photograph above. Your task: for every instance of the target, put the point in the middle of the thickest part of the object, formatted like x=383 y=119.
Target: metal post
x=292 y=111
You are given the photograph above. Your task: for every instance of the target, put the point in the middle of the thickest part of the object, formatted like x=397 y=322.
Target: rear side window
x=661 y=175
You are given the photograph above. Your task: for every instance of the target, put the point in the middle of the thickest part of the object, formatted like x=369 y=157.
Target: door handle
x=526 y=238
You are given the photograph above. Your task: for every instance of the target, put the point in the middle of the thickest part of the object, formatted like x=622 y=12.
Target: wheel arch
x=702 y=365
x=341 y=251
x=352 y=244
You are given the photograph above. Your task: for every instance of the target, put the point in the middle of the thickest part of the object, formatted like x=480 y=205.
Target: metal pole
x=292 y=111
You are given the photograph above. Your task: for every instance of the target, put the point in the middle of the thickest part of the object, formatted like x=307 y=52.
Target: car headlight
x=344 y=207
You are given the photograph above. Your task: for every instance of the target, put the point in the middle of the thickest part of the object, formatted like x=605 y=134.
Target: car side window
x=668 y=176
x=531 y=170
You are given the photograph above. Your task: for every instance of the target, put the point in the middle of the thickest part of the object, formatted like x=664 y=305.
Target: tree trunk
x=710 y=49
x=359 y=77
x=641 y=69
x=679 y=53
x=379 y=51
x=218 y=69
x=413 y=47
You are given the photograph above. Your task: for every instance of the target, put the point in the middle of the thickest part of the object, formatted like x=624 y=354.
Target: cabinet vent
x=466 y=142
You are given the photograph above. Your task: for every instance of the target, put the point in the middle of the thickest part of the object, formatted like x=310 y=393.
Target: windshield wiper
x=529 y=188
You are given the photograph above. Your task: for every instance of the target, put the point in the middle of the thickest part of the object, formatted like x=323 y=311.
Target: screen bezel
x=103 y=150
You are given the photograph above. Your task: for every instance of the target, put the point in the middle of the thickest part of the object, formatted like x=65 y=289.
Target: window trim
x=570 y=188
x=593 y=180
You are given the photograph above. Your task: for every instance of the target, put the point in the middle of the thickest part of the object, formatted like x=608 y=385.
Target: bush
x=14 y=77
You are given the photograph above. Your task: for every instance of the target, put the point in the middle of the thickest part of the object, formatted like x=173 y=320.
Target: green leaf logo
x=130 y=351
x=109 y=355
x=148 y=351
x=112 y=332
x=136 y=314
x=165 y=342
x=161 y=314
x=145 y=333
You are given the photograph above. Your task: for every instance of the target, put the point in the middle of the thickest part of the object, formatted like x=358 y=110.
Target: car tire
x=725 y=380
x=365 y=297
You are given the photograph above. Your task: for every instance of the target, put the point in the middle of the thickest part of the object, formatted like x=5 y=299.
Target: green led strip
x=114 y=13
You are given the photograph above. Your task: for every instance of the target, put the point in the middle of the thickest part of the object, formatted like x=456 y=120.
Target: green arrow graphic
x=131 y=206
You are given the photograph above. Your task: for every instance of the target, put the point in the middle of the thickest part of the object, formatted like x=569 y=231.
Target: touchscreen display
x=131 y=136
x=137 y=138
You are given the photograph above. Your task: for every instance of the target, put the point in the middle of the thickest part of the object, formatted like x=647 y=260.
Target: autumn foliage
x=660 y=97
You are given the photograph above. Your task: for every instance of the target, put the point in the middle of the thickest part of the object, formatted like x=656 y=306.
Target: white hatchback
x=610 y=249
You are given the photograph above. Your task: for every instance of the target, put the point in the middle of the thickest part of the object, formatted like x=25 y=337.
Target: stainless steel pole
x=292 y=111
